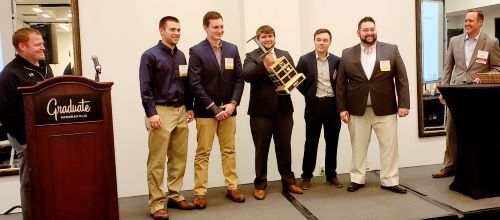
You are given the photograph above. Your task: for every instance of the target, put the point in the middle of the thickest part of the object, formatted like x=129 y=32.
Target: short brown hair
x=211 y=15
x=164 y=20
x=22 y=36
x=322 y=30
x=365 y=19
x=480 y=15
x=265 y=29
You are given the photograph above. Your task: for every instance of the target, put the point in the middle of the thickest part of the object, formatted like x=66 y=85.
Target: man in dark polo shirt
x=168 y=107
x=27 y=69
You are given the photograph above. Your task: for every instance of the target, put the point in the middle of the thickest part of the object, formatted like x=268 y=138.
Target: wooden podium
x=70 y=149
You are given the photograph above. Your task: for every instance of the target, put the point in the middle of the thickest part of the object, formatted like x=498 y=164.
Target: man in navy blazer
x=215 y=78
x=320 y=68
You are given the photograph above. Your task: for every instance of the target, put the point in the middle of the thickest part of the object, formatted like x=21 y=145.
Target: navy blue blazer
x=309 y=67
x=210 y=82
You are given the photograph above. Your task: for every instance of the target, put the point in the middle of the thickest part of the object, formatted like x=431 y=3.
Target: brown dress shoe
x=260 y=194
x=235 y=195
x=306 y=184
x=334 y=181
x=294 y=189
x=445 y=172
x=200 y=202
x=160 y=214
x=182 y=204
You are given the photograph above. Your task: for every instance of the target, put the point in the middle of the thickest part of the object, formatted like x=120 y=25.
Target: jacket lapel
x=357 y=60
x=378 y=57
x=331 y=69
x=480 y=45
x=314 y=69
x=211 y=54
x=461 y=52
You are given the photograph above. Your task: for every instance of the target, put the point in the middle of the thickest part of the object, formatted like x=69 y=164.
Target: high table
x=475 y=109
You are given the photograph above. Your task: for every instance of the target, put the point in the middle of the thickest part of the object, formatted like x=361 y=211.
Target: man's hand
x=344 y=116
x=402 y=112
x=221 y=116
x=268 y=60
x=441 y=99
x=229 y=109
x=190 y=116
x=155 y=121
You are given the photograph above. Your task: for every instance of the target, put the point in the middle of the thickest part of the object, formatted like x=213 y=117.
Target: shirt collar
x=26 y=63
x=214 y=45
x=317 y=56
x=372 y=47
x=476 y=37
x=167 y=49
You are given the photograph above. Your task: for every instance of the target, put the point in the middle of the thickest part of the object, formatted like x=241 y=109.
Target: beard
x=365 y=41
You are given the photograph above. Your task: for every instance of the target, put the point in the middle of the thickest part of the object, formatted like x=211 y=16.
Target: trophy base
x=290 y=85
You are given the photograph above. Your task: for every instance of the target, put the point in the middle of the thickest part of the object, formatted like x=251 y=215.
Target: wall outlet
x=321 y=170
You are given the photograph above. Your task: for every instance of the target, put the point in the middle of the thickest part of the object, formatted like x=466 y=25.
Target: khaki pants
x=225 y=129
x=450 y=155
x=169 y=141
x=360 y=130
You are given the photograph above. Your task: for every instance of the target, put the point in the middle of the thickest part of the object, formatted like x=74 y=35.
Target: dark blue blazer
x=308 y=66
x=210 y=82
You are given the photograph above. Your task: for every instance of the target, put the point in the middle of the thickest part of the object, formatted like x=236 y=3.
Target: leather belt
x=171 y=104
x=325 y=99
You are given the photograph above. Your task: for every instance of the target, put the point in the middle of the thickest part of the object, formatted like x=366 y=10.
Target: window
x=432 y=40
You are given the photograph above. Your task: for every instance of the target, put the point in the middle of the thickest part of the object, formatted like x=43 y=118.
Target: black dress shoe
x=334 y=181
x=396 y=189
x=353 y=187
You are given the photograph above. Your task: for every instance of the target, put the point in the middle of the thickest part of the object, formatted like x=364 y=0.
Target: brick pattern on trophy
x=284 y=76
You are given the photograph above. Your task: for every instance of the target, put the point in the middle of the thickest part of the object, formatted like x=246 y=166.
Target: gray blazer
x=456 y=72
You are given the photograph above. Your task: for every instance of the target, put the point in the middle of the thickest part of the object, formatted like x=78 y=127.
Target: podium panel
x=70 y=149
x=474 y=109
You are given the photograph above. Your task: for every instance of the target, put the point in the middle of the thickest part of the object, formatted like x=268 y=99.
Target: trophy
x=281 y=72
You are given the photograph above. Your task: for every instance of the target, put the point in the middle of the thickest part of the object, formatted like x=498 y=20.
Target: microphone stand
x=97 y=72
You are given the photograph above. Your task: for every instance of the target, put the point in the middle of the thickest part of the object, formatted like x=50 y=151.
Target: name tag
x=482 y=56
x=183 y=70
x=385 y=65
x=228 y=63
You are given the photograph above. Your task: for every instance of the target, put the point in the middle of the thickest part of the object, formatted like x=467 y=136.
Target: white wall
x=120 y=38
x=461 y=5
x=490 y=13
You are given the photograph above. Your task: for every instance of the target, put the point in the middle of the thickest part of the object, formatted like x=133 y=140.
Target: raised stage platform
x=427 y=198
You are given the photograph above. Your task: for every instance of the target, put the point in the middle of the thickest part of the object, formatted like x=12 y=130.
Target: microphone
x=97 y=66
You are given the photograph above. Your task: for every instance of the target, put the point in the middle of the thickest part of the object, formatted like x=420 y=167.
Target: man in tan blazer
x=371 y=77
x=468 y=54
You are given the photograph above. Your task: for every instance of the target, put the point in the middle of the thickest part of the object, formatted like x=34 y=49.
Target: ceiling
x=51 y=11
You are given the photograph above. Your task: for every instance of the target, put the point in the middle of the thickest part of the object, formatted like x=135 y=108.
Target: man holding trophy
x=270 y=113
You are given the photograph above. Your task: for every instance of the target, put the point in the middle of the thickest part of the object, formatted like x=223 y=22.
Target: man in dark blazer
x=371 y=77
x=483 y=55
x=270 y=115
x=320 y=68
x=215 y=78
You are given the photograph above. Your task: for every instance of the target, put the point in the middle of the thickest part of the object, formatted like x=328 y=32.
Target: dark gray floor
x=428 y=198
x=418 y=178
